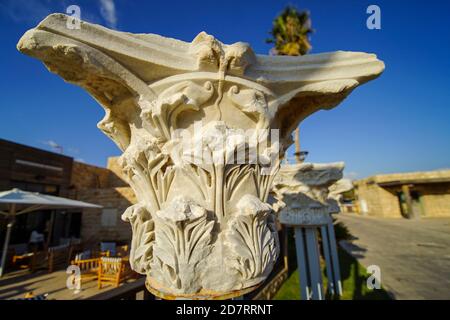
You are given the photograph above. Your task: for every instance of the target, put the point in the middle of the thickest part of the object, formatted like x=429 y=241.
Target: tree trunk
x=297 y=145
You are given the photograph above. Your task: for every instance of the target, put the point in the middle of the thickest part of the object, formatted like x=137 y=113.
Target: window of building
x=109 y=217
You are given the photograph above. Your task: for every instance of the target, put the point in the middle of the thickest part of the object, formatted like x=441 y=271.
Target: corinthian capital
x=201 y=227
x=303 y=193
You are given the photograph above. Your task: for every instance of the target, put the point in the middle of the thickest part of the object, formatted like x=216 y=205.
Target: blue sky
x=397 y=123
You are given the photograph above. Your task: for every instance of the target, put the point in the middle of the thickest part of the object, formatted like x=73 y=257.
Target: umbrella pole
x=7 y=237
x=50 y=230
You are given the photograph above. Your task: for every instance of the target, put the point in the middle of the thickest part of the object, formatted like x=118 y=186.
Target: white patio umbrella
x=20 y=202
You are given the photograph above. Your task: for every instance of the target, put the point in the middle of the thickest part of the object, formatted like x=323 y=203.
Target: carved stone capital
x=202 y=227
x=302 y=191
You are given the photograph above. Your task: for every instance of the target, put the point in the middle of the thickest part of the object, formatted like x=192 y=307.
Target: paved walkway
x=16 y=284
x=413 y=255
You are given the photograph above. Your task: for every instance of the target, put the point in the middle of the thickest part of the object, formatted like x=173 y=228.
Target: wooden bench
x=88 y=268
x=113 y=271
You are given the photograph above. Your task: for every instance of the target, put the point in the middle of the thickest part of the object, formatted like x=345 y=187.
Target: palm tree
x=290 y=35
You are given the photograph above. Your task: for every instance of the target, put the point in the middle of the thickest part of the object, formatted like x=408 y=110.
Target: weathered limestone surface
x=303 y=194
x=200 y=228
x=335 y=194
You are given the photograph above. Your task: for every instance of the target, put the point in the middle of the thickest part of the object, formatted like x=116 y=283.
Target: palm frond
x=290 y=32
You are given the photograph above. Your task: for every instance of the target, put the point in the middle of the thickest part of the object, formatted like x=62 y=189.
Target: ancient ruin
x=305 y=202
x=202 y=227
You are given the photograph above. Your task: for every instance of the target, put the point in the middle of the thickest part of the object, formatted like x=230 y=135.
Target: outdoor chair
x=23 y=258
x=20 y=248
x=85 y=255
x=53 y=258
x=39 y=260
x=58 y=256
x=19 y=254
x=112 y=271
x=88 y=265
x=107 y=249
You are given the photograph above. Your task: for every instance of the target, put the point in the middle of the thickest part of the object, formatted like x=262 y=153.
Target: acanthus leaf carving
x=182 y=242
x=150 y=172
x=251 y=240
x=143 y=229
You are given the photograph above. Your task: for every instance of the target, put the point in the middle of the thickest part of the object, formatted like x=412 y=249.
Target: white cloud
x=108 y=12
x=51 y=143
x=33 y=11
x=54 y=146
x=352 y=175
x=70 y=151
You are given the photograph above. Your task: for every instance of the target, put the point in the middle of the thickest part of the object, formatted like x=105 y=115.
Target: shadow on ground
x=22 y=283
x=354 y=276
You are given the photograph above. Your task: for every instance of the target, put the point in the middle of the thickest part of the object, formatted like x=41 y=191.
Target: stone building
x=106 y=187
x=37 y=170
x=409 y=195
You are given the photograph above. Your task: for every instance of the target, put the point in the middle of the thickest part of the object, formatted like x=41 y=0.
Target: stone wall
x=86 y=176
x=435 y=201
x=380 y=202
x=105 y=187
x=116 y=176
x=390 y=203
x=95 y=226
